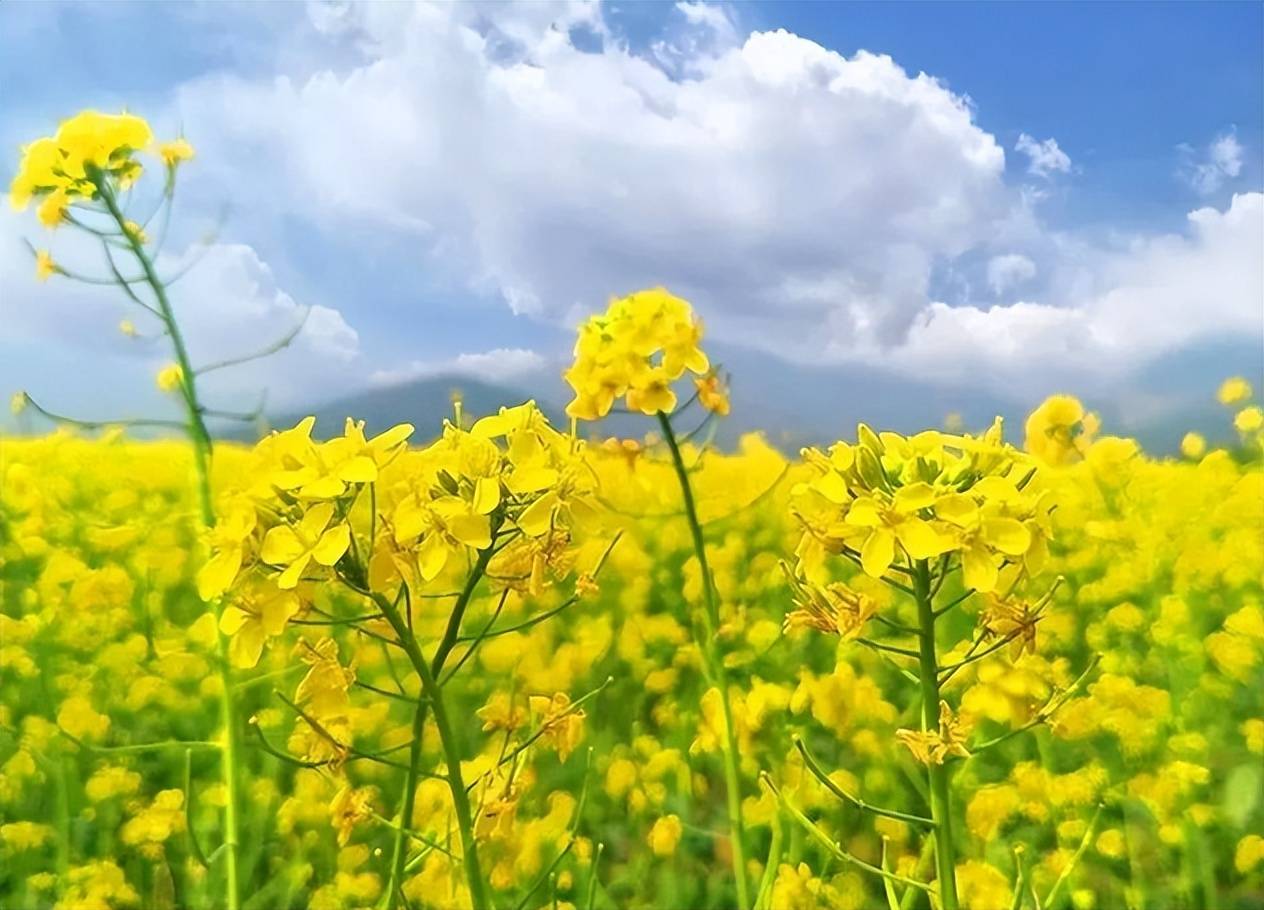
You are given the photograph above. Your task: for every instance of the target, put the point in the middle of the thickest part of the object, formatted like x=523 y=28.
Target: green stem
x=480 y=897
x=201 y=440
x=937 y=774
x=399 y=854
x=710 y=652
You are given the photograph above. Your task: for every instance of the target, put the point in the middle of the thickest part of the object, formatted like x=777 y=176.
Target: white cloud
x=499 y=365
x=1008 y=271
x=227 y=304
x=783 y=188
x=1155 y=295
x=1218 y=163
x=1045 y=158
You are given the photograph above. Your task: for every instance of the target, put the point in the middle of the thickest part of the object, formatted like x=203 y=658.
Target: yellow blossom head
x=1233 y=390
x=1249 y=419
x=1060 y=430
x=172 y=153
x=637 y=348
x=1193 y=446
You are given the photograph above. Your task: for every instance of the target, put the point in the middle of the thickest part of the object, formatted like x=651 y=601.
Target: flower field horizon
x=500 y=662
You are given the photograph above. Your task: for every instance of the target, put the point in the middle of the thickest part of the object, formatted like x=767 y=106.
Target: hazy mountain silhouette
x=797 y=404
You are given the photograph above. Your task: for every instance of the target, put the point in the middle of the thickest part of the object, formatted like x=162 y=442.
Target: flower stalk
x=937 y=772
x=715 y=668
x=480 y=899
x=202 y=452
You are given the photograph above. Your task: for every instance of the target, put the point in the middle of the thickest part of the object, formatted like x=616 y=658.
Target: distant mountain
x=798 y=403
x=425 y=403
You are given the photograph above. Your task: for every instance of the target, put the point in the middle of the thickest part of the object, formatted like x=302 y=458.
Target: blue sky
x=452 y=187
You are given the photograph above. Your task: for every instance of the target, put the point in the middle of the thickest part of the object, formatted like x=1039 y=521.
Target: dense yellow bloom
x=889 y=500
x=87 y=147
x=640 y=346
x=982 y=886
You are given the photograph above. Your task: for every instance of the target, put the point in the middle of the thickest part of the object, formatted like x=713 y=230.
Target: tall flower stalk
x=716 y=671
x=637 y=350
x=78 y=177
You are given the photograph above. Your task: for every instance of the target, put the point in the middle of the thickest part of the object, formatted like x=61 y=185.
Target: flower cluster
x=889 y=500
x=87 y=150
x=638 y=348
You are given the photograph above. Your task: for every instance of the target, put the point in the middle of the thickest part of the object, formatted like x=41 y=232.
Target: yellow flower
x=1193 y=446
x=351 y=806
x=175 y=151
x=52 y=211
x=563 y=725
x=78 y=718
x=227 y=541
x=88 y=147
x=1233 y=390
x=170 y=377
x=932 y=747
x=1059 y=430
x=17 y=403
x=712 y=394
x=45 y=268
x=665 y=835
x=19 y=836
x=127 y=328
x=1248 y=420
x=834 y=609
x=983 y=887
x=254 y=617
x=894 y=519
x=311 y=539
x=640 y=346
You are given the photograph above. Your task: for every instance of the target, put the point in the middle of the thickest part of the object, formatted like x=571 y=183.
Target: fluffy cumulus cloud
x=226 y=301
x=1153 y=297
x=1208 y=169
x=1044 y=158
x=792 y=192
x=498 y=365
x=811 y=204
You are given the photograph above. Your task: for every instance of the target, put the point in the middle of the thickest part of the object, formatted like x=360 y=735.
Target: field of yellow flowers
x=499 y=663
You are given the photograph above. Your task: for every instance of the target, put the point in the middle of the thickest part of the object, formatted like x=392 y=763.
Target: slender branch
x=952 y=603
x=834 y=848
x=279 y=345
x=140 y=747
x=1055 y=892
x=812 y=765
x=99 y=424
x=892 y=649
x=337 y=743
